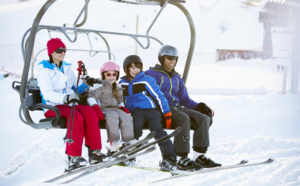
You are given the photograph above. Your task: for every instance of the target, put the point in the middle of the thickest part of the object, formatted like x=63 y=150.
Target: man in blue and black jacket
x=186 y=113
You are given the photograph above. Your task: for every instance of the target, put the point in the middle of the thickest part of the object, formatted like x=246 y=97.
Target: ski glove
x=125 y=110
x=99 y=112
x=90 y=81
x=75 y=97
x=204 y=109
x=167 y=121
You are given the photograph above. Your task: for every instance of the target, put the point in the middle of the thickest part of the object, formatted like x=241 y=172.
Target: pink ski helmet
x=109 y=66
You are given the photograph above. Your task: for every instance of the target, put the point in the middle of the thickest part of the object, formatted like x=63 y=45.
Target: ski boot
x=167 y=165
x=115 y=146
x=206 y=162
x=186 y=164
x=75 y=162
x=130 y=162
x=95 y=156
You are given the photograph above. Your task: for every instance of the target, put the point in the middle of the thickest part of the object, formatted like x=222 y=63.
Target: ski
x=148 y=150
x=240 y=165
x=103 y=164
x=132 y=153
x=126 y=151
x=177 y=172
x=174 y=133
x=114 y=161
x=132 y=146
x=149 y=169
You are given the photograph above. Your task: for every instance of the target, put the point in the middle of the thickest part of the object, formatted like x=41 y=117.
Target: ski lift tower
x=284 y=15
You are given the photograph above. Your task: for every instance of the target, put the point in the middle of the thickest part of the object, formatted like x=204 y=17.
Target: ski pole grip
x=79 y=67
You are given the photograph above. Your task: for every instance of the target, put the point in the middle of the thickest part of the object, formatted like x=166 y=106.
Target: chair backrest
x=34 y=96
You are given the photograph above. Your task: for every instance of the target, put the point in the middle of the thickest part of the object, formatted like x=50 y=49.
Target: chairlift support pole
x=28 y=55
x=296 y=55
x=192 y=42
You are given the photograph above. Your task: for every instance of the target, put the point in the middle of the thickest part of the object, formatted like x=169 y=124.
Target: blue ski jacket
x=143 y=93
x=173 y=87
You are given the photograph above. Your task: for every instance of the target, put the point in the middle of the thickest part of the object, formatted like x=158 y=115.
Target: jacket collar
x=158 y=67
x=140 y=75
x=47 y=64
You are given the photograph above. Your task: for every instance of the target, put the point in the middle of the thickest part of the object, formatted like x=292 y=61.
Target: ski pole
x=72 y=113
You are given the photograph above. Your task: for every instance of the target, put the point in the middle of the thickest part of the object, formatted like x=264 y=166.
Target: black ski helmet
x=167 y=50
x=131 y=59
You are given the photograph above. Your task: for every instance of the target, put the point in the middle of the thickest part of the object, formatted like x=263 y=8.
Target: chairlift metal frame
x=28 y=88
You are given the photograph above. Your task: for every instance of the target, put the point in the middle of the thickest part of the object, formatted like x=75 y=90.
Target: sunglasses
x=60 y=50
x=171 y=58
x=109 y=74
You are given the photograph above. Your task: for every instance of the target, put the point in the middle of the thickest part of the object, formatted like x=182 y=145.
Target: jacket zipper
x=171 y=84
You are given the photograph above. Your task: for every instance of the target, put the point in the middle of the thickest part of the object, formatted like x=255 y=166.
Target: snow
x=253 y=119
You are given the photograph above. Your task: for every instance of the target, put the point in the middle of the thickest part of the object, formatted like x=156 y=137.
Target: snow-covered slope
x=253 y=127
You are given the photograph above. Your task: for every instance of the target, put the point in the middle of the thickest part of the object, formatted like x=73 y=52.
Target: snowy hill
x=253 y=127
x=253 y=119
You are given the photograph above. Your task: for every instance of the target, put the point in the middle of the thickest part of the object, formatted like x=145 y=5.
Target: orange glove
x=99 y=112
x=167 y=119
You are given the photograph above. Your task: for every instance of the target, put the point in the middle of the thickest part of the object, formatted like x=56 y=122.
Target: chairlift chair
x=28 y=89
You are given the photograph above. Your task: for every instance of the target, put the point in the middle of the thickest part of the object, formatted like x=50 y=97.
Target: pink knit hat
x=54 y=44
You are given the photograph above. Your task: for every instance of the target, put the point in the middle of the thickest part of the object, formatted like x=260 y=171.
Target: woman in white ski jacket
x=57 y=83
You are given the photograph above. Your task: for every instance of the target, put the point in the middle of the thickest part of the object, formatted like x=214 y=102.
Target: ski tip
x=178 y=129
x=244 y=161
x=121 y=158
x=150 y=149
x=270 y=160
x=152 y=133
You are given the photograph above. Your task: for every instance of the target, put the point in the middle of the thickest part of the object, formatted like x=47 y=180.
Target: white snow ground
x=253 y=119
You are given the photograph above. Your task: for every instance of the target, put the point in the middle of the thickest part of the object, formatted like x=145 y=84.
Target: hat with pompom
x=54 y=44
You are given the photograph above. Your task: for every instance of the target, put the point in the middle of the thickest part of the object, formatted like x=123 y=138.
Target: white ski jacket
x=55 y=83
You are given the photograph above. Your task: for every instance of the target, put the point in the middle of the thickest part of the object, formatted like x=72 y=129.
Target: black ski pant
x=153 y=118
x=189 y=119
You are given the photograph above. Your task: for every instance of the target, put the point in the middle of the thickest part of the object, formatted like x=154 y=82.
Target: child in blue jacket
x=147 y=104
